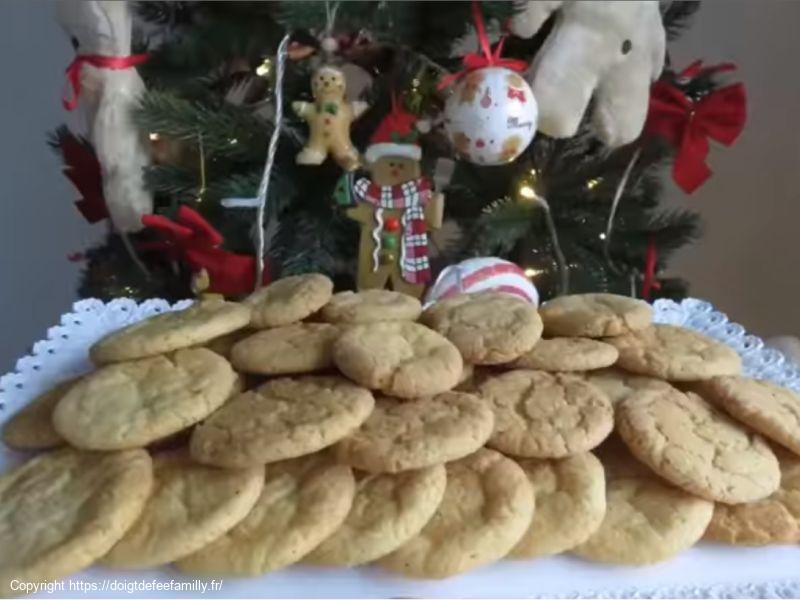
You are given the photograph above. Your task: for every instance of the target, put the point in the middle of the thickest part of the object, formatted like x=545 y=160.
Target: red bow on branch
x=99 y=61
x=687 y=124
x=474 y=61
x=191 y=239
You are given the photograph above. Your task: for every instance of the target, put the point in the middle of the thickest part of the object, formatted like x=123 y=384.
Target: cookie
x=594 y=315
x=771 y=410
x=198 y=324
x=570 y=504
x=398 y=358
x=675 y=354
x=129 y=405
x=487 y=507
x=283 y=418
x=568 y=354
x=399 y=436
x=304 y=500
x=225 y=343
x=489 y=328
x=289 y=300
x=31 y=428
x=646 y=521
x=190 y=506
x=59 y=512
x=546 y=415
x=774 y=520
x=369 y=306
x=696 y=447
x=388 y=510
x=617 y=384
x=298 y=348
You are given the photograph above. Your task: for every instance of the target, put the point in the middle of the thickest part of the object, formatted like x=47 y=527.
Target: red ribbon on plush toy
x=688 y=124
x=474 y=61
x=99 y=61
x=195 y=241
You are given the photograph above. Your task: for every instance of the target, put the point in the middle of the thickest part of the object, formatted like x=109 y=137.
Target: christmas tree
x=209 y=111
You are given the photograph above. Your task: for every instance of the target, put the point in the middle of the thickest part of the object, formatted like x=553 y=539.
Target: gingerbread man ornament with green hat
x=396 y=207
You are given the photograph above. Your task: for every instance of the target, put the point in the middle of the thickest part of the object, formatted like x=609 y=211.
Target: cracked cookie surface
x=303 y=501
x=546 y=415
x=297 y=348
x=771 y=410
x=617 y=384
x=190 y=506
x=487 y=506
x=130 y=404
x=568 y=354
x=369 y=306
x=696 y=447
x=675 y=354
x=399 y=358
x=32 y=427
x=288 y=300
x=198 y=324
x=399 y=435
x=487 y=328
x=283 y=418
x=61 y=511
x=388 y=510
x=570 y=504
x=594 y=315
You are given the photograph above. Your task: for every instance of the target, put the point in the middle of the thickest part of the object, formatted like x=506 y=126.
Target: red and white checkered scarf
x=411 y=197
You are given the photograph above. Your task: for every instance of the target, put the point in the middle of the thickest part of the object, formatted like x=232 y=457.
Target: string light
x=602 y=236
x=527 y=192
x=233 y=141
x=530 y=272
x=265 y=68
x=154 y=137
x=593 y=183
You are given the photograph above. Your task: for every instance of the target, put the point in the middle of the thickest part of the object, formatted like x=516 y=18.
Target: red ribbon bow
x=474 y=61
x=192 y=239
x=99 y=61
x=688 y=125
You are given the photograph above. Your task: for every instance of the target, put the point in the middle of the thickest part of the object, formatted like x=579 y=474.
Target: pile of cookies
x=342 y=429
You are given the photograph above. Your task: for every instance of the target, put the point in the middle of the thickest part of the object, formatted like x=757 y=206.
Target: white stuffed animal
x=609 y=49
x=107 y=96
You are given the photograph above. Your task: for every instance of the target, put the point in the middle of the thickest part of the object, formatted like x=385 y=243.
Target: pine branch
x=678 y=17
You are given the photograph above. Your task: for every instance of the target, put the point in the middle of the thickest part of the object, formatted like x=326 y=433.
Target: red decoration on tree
x=688 y=124
x=83 y=170
x=100 y=62
x=192 y=239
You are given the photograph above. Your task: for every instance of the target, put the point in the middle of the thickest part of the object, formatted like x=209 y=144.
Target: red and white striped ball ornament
x=481 y=275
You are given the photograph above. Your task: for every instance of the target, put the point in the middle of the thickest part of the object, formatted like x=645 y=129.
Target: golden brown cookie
x=283 y=418
x=546 y=415
x=696 y=447
x=369 y=306
x=399 y=435
x=487 y=507
x=31 y=428
x=388 y=510
x=488 y=328
x=190 y=506
x=198 y=324
x=568 y=354
x=646 y=521
x=304 y=500
x=771 y=410
x=774 y=520
x=399 y=358
x=297 y=348
x=59 y=512
x=225 y=343
x=288 y=300
x=617 y=384
x=570 y=504
x=675 y=354
x=594 y=315
x=130 y=404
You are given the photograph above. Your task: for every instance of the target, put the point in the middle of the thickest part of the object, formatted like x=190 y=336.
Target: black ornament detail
x=627 y=46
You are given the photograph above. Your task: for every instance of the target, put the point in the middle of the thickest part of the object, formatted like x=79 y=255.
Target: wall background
x=746 y=263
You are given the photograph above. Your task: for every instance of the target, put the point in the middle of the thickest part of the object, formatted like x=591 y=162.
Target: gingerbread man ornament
x=329 y=118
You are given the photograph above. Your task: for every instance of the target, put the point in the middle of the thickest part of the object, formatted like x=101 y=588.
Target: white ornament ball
x=480 y=275
x=490 y=117
x=330 y=44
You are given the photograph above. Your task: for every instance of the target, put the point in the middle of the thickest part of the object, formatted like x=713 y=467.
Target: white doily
x=705 y=571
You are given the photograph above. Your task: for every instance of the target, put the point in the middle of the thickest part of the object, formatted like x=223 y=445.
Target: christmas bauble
x=481 y=275
x=491 y=116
